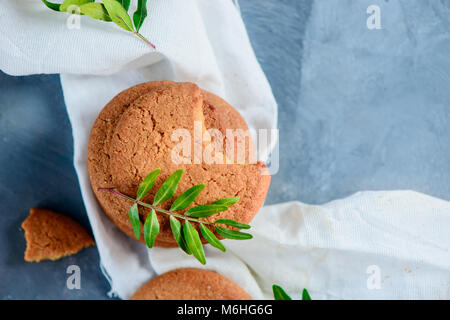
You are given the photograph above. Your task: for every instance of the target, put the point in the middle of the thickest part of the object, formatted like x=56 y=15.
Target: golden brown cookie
x=133 y=136
x=51 y=235
x=190 y=284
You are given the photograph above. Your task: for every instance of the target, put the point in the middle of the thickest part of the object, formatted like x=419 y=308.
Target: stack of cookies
x=156 y=125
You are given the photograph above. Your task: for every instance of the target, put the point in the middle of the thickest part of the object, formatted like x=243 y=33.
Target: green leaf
x=305 y=295
x=96 y=11
x=211 y=238
x=140 y=14
x=118 y=14
x=279 y=293
x=67 y=3
x=168 y=188
x=151 y=229
x=233 y=234
x=175 y=225
x=187 y=197
x=193 y=242
x=227 y=201
x=125 y=4
x=133 y=214
x=147 y=184
x=233 y=223
x=53 y=6
x=205 y=210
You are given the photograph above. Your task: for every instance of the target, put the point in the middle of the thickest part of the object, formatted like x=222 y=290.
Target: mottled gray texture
x=359 y=109
x=36 y=171
x=397 y=136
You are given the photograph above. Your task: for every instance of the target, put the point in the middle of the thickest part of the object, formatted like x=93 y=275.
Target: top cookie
x=137 y=133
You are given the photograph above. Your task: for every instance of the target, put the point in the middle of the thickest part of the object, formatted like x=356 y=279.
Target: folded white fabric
x=371 y=245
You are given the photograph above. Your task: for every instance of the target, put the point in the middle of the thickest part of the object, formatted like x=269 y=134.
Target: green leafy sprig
x=186 y=236
x=280 y=294
x=109 y=10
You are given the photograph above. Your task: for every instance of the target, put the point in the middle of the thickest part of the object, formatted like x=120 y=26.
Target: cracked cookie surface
x=133 y=136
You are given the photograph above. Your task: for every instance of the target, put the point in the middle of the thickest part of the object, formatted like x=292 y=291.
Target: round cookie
x=132 y=136
x=190 y=284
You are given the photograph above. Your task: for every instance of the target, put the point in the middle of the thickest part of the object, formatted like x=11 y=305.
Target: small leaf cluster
x=108 y=10
x=186 y=235
x=280 y=294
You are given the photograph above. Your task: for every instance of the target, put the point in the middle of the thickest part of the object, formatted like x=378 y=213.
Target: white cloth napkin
x=370 y=245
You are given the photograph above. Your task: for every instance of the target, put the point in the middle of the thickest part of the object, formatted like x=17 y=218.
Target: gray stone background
x=316 y=165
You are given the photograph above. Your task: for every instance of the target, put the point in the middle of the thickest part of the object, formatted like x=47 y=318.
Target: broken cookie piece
x=50 y=235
